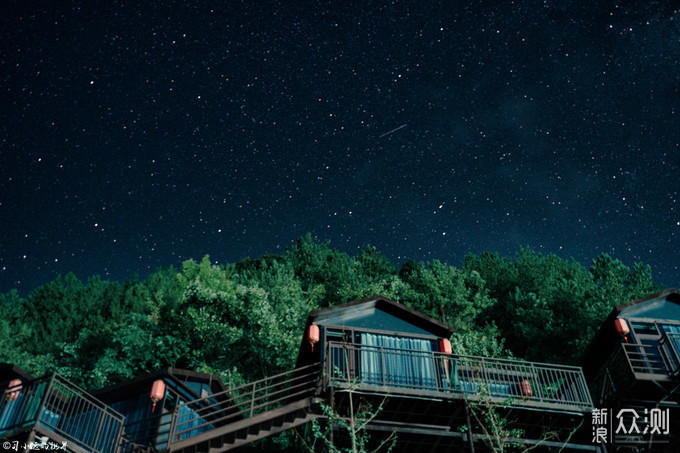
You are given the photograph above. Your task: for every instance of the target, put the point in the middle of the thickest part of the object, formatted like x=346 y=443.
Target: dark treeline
x=244 y=320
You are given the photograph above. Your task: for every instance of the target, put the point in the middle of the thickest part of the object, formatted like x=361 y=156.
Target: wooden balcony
x=640 y=371
x=659 y=361
x=55 y=408
x=427 y=374
x=426 y=403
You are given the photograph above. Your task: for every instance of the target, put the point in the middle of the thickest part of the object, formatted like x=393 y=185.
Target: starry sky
x=135 y=135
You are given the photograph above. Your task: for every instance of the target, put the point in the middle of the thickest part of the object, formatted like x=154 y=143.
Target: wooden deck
x=428 y=409
x=545 y=387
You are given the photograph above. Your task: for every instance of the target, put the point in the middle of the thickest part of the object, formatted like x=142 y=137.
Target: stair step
x=247 y=430
x=238 y=441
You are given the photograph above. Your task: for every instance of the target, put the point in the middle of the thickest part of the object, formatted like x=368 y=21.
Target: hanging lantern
x=445 y=349
x=313 y=335
x=13 y=390
x=157 y=392
x=621 y=327
x=525 y=388
x=445 y=346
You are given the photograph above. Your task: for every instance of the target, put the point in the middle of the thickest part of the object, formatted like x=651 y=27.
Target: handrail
x=60 y=406
x=397 y=369
x=670 y=342
x=245 y=401
x=660 y=358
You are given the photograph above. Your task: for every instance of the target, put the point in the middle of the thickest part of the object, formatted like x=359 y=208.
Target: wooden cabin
x=136 y=415
x=385 y=354
x=634 y=360
x=51 y=412
x=373 y=354
x=149 y=402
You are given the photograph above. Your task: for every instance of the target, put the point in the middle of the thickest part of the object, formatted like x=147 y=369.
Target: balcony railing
x=661 y=359
x=670 y=343
x=54 y=405
x=519 y=383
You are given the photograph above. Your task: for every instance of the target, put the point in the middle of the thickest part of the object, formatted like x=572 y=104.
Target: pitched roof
x=386 y=305
x=668 y=295
x=142 y=384
x=10 y=371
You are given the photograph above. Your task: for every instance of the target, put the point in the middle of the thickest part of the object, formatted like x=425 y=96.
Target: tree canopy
x=244 y=320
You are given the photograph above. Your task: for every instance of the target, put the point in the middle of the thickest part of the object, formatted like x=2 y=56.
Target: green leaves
x=547 y=308
x=244 y=320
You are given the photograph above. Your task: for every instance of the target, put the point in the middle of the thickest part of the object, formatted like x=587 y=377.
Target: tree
x=354 y=426
x=444 y=292
x=318 y=266
x=491 y=419
x=539 y=296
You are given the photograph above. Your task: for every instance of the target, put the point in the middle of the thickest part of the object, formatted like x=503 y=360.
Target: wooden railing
x=394 y=370
x=245 y=401
x=60 y=407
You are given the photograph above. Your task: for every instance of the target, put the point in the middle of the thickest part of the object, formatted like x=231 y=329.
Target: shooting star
x=393 y=130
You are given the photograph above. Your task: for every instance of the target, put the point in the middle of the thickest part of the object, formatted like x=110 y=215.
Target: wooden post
x=471 y=444
x=29 y=441
x=332 y=404
x=252 y=400
x=173 y=423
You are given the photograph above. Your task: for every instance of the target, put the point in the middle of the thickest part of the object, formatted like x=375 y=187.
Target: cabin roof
x=662 y=305
x=361 y=312
x=386 y=305
x=142 y=384
x=10 y=371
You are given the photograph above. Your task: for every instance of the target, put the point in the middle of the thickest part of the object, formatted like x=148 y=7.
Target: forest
x=243 y=321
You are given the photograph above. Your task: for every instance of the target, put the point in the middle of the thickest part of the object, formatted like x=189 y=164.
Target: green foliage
x=244 y=320
x=547 y=308
x=99 y=358
x=491 y=420
x=456 y=297
x=486 y=341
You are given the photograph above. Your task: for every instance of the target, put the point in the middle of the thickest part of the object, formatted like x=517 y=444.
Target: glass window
x=397 y=361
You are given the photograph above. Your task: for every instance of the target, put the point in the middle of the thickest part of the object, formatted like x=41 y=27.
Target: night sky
x=135 y=135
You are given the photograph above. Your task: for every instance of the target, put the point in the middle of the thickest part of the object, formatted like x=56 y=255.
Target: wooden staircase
x=248 y=430
x=238 y=416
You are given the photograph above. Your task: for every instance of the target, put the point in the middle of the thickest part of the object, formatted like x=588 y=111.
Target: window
x=397 y=361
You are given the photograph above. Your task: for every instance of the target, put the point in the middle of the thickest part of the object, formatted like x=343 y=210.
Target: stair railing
x=219 y=409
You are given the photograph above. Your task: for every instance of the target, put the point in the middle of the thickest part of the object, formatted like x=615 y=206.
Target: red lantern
x=525 y=388
x=157 y=392
x=445 y=346
x=621 y=327
x=13 y=390
x=313 y=335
